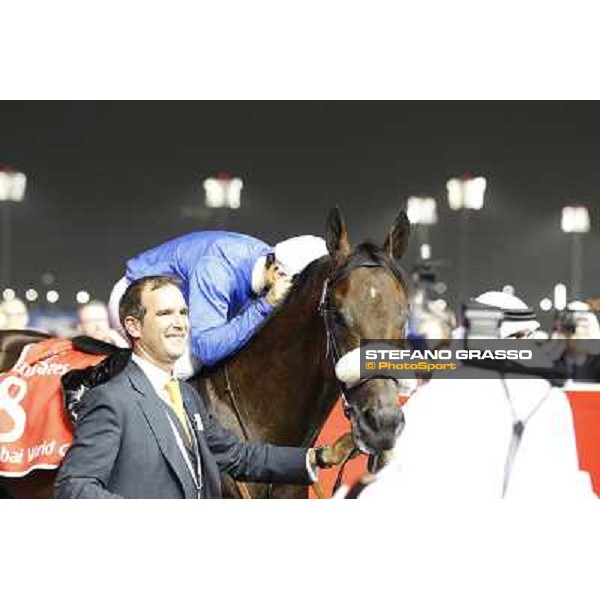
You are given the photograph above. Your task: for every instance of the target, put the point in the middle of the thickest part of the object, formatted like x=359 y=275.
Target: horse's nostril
x=384 y=418
x=399 y=422
x=371 y=418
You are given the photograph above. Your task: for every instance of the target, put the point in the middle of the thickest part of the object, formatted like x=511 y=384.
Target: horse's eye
x=346 y=319
x=339 y=319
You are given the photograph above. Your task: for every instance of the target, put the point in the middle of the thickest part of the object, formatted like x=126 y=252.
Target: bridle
x=332 y=348
x=333 y=351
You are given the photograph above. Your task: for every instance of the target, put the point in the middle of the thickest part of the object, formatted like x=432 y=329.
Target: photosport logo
x=469 y=359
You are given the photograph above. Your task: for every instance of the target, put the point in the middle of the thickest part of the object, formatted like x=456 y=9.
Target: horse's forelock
x=369 y=254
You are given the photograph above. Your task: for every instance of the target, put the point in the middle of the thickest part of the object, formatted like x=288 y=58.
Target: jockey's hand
x=278 y=290
x=331 y=456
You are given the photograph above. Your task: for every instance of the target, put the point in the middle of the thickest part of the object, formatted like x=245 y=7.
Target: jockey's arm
x=213 y=336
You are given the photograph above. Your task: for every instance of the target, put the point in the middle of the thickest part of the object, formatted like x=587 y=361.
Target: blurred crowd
x=90 y=319
x=575 y=330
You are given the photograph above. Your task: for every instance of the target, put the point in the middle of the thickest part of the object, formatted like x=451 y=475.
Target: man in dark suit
x=143 y=434
x=578 y=330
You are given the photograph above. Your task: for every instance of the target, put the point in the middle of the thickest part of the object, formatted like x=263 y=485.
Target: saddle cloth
x=35 y=430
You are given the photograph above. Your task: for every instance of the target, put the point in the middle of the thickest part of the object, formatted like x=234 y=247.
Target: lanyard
x=196 y=475
x=518 y=429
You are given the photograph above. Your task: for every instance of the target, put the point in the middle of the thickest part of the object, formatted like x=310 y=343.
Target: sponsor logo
x=42 y=368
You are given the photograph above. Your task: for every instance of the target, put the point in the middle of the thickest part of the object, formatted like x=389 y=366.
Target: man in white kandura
x=475 y=439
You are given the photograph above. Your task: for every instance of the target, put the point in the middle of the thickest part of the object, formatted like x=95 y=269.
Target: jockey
x=231 y=283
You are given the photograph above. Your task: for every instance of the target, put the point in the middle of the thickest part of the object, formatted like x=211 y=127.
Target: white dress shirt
x=157 y=376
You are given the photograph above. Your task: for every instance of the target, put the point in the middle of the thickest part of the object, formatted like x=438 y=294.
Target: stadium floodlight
x=425 y=251
x=421 y=211
x=12 y=185
x=466 y=192
x=82 y=297
x=575 y=218
x=223 y=191
x=12 y=189
x=560 y=296
x=9 y=294
x=575 y=221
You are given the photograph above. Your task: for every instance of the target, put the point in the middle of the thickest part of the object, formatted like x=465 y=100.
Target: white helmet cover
x=295 y=254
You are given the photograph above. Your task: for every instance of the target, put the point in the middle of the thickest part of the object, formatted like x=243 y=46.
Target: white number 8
x=11 y=404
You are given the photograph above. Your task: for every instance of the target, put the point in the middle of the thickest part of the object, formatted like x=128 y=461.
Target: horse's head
x=364 y=297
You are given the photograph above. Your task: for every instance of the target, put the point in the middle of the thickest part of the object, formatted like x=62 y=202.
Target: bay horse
x=282 y=385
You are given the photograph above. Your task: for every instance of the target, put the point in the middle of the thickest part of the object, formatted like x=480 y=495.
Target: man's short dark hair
x=270 y=260
x=130 y=304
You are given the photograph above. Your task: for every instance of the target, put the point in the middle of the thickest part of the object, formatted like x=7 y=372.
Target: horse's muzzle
x=377 y=430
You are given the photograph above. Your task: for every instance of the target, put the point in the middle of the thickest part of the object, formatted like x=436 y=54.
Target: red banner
x=35 y=431
x=585 y=404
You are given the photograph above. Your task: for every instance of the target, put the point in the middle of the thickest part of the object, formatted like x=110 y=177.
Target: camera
x=566 y=322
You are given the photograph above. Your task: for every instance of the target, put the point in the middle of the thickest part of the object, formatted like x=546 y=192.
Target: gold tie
x=176 y=402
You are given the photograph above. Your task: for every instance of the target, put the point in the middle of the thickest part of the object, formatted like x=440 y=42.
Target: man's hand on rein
x=326 y=457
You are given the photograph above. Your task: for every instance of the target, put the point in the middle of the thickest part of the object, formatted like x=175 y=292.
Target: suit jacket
x=588 y=370
x=124 y=446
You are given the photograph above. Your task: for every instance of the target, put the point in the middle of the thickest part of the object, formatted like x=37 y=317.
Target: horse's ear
x=336 y=234
x=396 y=240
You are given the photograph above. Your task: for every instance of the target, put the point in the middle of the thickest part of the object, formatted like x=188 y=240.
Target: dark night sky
x=107 y=180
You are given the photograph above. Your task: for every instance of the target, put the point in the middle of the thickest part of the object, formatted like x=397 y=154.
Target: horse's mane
x=366 y=254
x=308 y=284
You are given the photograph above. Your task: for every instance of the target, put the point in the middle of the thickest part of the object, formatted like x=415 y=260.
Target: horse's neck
x=285 y=382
